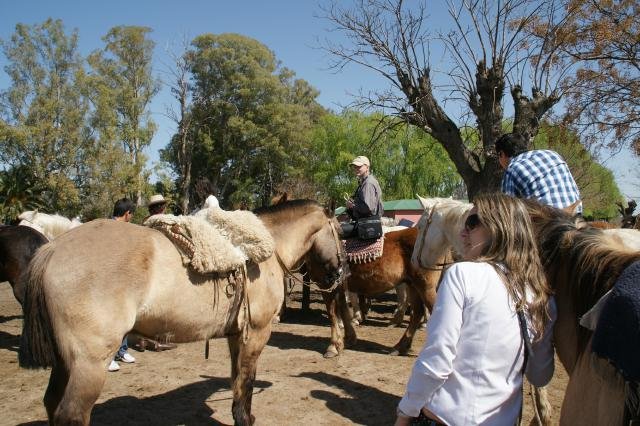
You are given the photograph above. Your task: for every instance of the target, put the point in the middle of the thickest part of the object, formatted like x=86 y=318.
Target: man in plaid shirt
x=541 y=174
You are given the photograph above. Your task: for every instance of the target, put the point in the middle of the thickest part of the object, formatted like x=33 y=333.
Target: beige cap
x=360 y=160
x=156 y=199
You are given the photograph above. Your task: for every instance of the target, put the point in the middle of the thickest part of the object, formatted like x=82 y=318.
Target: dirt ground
x=294 y=385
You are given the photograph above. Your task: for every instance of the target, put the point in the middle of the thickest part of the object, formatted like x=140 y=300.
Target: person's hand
x=402 y=420
x=350 y=204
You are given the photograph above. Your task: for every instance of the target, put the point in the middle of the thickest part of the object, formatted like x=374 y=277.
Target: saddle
x=617 y=334
x=363 y=251
x=218 y=241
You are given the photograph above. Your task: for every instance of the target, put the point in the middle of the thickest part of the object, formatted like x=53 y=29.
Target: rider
x=367 y=199
x=540 y=173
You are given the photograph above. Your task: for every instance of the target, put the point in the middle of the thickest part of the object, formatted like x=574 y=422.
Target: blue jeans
x=123 y=348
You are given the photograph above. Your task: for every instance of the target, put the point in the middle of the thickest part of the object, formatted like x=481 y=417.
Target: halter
x=337 y=281
x=421 y=247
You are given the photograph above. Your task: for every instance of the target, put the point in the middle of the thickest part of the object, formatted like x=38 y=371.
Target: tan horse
x=376 y=277
x=98 y=282
x=582 y=264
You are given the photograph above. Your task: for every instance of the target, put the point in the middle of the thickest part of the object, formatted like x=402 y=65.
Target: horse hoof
x=394 y=352
x=330 y=354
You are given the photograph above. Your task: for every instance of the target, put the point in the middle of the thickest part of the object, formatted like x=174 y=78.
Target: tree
x=489 y=49
x=601 y=40
x=127 y=86
x=598 y=189
x=18 y=193
x=180 y=149
x=43 y=112
x=250 y=119
x=404 y=163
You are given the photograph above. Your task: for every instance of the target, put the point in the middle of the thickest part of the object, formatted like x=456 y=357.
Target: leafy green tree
x=18 y=193
x=42 y=125
x=598 y=189
x=250 y=119
x=123 y=87
x=406 y=162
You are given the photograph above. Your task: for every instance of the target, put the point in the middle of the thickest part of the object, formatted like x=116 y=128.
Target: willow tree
x=489 y=54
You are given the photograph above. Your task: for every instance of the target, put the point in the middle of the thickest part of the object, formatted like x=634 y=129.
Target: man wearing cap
x=367 y=199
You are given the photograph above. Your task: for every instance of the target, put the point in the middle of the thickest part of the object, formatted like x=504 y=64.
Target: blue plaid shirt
x=543 y=175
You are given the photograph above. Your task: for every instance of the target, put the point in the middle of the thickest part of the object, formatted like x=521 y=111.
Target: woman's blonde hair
x=512 y=244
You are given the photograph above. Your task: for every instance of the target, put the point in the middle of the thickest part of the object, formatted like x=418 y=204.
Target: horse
x=50 y=225
x=582 y=264
x=18 y=244
x=127 y=277
x=376 y=277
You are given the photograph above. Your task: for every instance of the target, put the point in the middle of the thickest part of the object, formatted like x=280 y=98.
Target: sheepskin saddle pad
x=363 y=251
x=617 y=334
x=218 y=241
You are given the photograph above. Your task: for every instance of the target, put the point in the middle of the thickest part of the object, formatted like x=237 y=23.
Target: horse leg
x=355 y=308
x=417 y=312
x=244 y=361
x=403 y=303
x=337 y=339
x=55 y=390
x=350 y=337
x=85 y=381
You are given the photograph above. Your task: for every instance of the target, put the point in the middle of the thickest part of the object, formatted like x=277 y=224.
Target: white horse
x=628 y=237
x=49 y=225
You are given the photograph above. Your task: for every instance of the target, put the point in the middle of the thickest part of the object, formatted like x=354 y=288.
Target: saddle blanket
x=363 y=251
x=617 y=334
x=216 y=240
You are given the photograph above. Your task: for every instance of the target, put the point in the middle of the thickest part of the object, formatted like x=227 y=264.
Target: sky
x=290 y=28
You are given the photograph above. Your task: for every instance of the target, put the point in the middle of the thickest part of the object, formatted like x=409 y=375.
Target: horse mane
x=591 y=258
x=295 y=207
x=52 y=224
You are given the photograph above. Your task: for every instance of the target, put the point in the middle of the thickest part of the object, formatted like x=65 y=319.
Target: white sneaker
x=127 y=358
x=114 y=366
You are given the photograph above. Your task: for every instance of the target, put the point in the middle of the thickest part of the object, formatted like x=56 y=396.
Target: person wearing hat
x=157 y=204
x=367 y=199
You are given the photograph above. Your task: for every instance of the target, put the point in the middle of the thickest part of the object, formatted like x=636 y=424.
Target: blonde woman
x=470 y=370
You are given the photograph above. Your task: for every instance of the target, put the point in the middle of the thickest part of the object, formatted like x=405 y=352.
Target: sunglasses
x=472 y=222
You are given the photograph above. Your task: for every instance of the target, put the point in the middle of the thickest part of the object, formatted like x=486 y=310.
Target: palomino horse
x=381 y=275
x=18 y=244
x=131 y=278
x=582 y=264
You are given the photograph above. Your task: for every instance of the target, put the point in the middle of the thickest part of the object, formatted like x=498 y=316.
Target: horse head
x=326 y=261
x=438 y=229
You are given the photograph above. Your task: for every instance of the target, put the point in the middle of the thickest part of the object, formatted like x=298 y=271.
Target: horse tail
x=541 y=406
x=37 y=345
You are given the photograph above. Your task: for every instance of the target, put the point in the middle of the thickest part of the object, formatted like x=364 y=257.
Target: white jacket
x=470 y=369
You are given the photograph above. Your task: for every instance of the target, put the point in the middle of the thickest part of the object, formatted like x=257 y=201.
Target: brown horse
x=127 y=277
x=582 y=264
x=383 y=274
x=18 y=244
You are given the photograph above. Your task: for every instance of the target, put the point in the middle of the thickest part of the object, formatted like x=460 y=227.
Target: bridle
x=437 y=266
x=341 y=261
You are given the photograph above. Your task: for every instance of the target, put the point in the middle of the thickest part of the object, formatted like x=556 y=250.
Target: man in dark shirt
x=367 y=199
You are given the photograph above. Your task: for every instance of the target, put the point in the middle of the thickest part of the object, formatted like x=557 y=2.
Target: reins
x=336 y=283
x=437 y=266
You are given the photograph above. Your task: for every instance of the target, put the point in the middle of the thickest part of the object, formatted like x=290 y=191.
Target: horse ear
x=572 y=209
x=423 y=201
x=331 y=210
